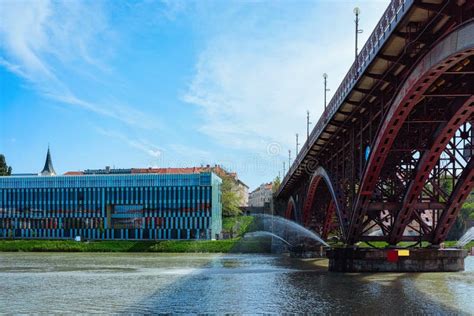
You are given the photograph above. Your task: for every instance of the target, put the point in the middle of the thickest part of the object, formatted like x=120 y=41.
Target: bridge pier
x=396 y=260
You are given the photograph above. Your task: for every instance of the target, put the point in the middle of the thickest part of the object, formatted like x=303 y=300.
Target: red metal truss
x=328 y=220
x=308 y=204
x=390 y=159
x=440 y=59
x=458 y=197
x=426 y=163
x=321 y=177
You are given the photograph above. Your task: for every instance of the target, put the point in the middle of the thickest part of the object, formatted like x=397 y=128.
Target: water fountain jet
x=262 y=233
x=283 y=227
x=466 y=238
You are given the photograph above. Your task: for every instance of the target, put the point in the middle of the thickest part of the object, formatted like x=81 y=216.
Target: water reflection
x=146 y=283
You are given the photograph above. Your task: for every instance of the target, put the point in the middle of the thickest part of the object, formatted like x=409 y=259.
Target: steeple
x=48 y=169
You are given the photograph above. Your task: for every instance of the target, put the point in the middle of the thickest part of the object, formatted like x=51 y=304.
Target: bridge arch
x=447 y=52
x=321 y=178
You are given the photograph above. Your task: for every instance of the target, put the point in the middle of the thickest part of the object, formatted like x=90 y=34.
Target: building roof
x=108 y=180
x=48 y=169
x=74 y=173
x=217 y=169
x=263 y=186
x=168 y=170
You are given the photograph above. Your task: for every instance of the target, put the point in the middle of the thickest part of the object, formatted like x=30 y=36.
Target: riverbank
x=178 y=246
x=235 y=227
x=172 y=246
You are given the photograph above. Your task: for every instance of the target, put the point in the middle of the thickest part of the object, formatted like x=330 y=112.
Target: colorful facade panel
x=130 y=206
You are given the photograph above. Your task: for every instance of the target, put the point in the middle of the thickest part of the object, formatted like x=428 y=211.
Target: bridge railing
x=391 y=17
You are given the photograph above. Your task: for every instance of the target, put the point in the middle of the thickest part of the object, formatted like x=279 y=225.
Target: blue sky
x=169 y=83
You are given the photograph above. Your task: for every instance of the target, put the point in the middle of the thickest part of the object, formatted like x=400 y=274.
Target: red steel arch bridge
x=390 y=159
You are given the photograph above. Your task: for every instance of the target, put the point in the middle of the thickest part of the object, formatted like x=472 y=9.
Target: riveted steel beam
x=460 y=193
x=441 y=58
x=426 y=163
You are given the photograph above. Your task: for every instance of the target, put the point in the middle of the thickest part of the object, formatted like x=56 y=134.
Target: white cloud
x=13 y=68
x=175 y=155
x=22 y=32
x=148 y=148
x=258 y=75
x=190 y=153
x=52 y=43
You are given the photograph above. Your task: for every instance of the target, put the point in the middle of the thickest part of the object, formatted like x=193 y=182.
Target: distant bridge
x=390 y=159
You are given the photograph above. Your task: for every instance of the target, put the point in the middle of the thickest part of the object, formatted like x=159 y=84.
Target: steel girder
x=446 y=54
x=328 y=224
x=319 y=177
x=463 y=188
x=426 y=164
x=395 y=144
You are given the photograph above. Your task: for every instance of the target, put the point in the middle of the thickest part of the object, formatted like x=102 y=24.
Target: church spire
x=48 y=169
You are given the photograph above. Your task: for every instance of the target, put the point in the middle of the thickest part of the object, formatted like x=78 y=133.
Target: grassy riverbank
x=215 y=246
x=235 y=226
x=235 y=245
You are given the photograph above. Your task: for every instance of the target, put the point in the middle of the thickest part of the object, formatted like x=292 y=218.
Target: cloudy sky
x=169 y=83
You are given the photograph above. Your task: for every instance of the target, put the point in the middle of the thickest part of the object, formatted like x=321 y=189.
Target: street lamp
x=289 y=159
x=307 y=124
x=297 y=144
x=357 y=30
x=325 y=76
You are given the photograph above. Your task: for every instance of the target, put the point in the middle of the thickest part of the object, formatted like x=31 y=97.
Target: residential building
x=242 y=191
x=261 y=195
x=240 y=187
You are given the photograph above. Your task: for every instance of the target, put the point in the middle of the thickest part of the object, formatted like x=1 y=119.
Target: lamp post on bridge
x=357 y=30
x=297 y=144
x=307 y=124
x=284 y=171
x=325 y=76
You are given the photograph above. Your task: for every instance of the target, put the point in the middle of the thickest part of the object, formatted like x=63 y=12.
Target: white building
x=261 y=195
x=243 y=193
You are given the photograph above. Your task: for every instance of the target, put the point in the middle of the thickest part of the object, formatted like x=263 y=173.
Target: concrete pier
x=396 y=260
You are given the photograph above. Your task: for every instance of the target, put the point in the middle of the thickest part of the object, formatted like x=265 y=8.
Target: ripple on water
x=130 y=283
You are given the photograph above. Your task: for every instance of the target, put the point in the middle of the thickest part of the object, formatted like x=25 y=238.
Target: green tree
x=5 y=170
x=230 y=198
x=276 y=184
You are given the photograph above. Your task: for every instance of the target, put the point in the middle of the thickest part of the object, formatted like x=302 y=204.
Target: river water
x=164 y=283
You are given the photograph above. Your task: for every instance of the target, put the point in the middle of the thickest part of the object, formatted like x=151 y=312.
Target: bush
x=236 y=225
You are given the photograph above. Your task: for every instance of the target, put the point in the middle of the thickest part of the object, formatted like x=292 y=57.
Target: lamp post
x=284 y=171
x=325 y=76
x=297 y=144
x=307 y=124
x=357 y=30
x=289 y=159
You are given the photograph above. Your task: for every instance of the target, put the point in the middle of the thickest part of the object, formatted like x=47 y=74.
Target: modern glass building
x=110 y=206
